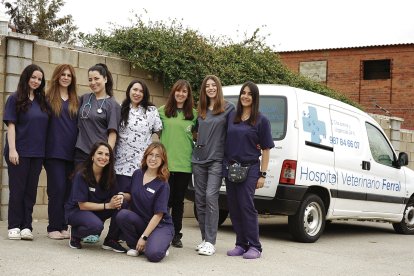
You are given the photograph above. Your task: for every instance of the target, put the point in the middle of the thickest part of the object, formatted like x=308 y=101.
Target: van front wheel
x=309 y=221
x=406 y=225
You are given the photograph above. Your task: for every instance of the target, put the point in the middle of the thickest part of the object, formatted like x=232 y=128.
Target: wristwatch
x=262 y=174
x=144 y=237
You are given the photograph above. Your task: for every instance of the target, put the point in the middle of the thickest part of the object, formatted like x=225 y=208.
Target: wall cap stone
x=31 y=38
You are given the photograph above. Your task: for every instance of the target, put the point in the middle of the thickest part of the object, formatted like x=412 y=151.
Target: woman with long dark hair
x=60 y=147
x=98 y=117
x=94 y=198
x=99 y=113
x=178 y=117
x=147 y=227
x=139 y=120
x=207 y=159
x=248 y=138
x=26 y=116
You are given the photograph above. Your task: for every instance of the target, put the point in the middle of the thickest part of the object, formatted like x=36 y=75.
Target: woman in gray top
x=99 y=113
x=207 y=159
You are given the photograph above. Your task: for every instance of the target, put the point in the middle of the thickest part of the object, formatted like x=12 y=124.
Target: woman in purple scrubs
x=248 y=137
x=147 y=227
x=60 y=146
x=26 y=116
x=94 y=198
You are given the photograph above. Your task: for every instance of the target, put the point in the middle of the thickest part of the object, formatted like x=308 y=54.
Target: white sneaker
x=207 y=250
x=26 y=234
x=14 y=234
x=133 y=253
x=199 y=246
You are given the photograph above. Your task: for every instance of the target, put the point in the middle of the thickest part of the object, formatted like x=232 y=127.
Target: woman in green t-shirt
x=178 y=119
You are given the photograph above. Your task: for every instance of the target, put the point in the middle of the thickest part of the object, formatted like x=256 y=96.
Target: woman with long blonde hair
x=60 y=147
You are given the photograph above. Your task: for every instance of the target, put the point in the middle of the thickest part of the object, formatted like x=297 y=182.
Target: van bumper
x=286 y=201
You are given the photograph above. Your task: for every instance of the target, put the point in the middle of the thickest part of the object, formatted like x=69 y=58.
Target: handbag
x=237 y=173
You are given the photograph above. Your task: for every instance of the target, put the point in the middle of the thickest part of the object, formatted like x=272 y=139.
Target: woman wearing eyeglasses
x=99 y=113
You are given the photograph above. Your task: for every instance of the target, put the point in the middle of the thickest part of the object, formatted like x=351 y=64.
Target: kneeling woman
x=94 y=199
x=147 y=227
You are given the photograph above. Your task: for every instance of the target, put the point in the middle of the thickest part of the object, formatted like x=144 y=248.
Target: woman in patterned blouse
x=139 y=120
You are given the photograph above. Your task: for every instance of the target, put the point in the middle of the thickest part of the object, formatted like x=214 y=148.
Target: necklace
x=244 y=117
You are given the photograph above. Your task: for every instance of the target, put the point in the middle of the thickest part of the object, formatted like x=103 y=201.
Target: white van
x=331 y=161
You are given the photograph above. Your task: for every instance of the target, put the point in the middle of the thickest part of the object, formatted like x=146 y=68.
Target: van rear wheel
x=309 y=221
x=406 y=225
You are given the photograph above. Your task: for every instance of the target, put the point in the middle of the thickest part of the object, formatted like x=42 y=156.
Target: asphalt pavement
x=346 y=248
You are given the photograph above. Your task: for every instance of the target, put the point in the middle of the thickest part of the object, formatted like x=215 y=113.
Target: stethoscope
x=88 y=106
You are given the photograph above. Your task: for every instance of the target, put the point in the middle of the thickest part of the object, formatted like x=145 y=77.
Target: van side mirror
x=402 y=159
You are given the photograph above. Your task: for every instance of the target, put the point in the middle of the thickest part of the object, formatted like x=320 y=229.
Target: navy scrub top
x=31 y=128
x=149 y=199
x=82 y=192
x=62 y=134
x=244 y=142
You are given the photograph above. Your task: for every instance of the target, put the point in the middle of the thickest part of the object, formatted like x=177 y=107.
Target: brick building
x=380 y=78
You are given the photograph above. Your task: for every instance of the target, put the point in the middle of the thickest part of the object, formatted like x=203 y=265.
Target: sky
x=288 y=25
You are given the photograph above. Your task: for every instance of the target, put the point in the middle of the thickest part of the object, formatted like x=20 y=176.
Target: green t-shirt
x=177 y=138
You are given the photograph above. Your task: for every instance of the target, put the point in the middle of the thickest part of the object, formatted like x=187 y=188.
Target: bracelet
x=104 y=206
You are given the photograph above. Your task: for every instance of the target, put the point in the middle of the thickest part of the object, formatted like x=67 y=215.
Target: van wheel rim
x=409 y=217
x=312 y=219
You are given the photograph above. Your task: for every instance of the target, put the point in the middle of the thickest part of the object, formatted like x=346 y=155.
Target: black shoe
x=176 y=241
x=75 y=243
x=114 y=246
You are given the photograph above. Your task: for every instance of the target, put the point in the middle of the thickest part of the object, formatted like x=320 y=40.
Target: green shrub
x=174 y=52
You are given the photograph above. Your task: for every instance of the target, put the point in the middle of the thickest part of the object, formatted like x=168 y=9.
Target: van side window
x=275 y=109
x=381 y=151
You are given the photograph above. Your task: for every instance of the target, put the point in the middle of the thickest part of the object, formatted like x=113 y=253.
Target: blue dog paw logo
x=312 y=125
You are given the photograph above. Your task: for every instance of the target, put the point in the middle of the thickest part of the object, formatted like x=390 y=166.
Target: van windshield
x=274 y=108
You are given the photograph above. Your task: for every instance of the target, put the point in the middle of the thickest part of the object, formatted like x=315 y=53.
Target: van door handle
x=366 y=165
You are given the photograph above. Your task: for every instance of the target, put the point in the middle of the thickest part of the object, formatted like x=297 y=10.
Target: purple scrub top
x=62 y=134
x=149 y=199
x=244 y=142
x=31 y=128
x=82 y=192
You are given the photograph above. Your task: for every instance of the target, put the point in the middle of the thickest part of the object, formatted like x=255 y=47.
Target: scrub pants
x=132 y=226
x=58 y=172
x=178 y=187
x=207 y=182
x=86 y=223
x=23 y=181
x=243 y=213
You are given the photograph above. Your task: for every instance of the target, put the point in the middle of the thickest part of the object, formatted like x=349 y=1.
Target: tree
x=40 y=18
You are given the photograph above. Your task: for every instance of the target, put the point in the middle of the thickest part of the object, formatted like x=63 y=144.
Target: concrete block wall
x=17 y=51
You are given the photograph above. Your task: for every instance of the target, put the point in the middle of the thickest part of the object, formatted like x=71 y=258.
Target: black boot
x=176 y=242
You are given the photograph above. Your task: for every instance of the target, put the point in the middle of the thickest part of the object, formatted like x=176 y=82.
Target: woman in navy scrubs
x=94 y=198
x=26 y=116
x=60 y=146
x=147 y=227
x=248 y=137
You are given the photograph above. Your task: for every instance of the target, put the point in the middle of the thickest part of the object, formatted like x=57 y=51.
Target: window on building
x=377 y=69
